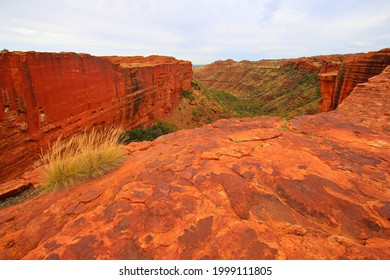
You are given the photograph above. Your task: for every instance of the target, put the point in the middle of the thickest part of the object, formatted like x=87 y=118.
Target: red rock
x=315 y=187
x=80 y=208
x=327 y=82
x=13 y=187
x=336 y=87
x=90 y=195
x=192 y=102
x=321 y=63
x=43 y=95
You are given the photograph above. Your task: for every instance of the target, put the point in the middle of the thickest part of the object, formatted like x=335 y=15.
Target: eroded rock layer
x=315 y=187
x=337 y=85
x=43 y=95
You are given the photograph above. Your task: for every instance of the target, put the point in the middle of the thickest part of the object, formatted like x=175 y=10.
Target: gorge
x=268 y=187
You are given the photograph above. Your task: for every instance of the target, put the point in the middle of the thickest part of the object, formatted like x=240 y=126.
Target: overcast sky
x=201 y=31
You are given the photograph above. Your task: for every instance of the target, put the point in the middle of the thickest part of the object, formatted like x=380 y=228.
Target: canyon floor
x=312 y=187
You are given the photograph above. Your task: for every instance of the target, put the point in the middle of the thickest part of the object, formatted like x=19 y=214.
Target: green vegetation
x=297 y=94
x=233 y=106
x=284 y=125
x=195 y=85
x=147 y=133
x=188 y=95
x=282 y=91
x=83 y=156
x=195 y=113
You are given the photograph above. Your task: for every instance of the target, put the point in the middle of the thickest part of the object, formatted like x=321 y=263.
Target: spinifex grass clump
x=84 y=156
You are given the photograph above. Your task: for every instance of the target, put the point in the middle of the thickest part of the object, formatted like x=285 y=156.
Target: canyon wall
x=312 y=187
x=44 y=95
x=337 y=84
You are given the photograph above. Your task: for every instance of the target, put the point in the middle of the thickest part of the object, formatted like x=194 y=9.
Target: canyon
x=283 y=87
x=305 y=187
x=314 y=187
x=45 y=95
x=291 y=87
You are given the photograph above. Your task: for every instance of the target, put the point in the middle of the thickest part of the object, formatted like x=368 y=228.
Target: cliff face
x=43 y=95
x=315 y=187
x=337 y=85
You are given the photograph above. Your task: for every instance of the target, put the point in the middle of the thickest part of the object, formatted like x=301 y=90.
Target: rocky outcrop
x=43 y=95
x=321 y=63
x=337 y=85
x=314 y=187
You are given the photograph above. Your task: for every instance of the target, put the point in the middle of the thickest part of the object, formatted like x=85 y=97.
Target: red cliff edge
x=43 y=95
x=336 y=85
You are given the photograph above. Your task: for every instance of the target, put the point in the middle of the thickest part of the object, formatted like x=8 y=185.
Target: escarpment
x=44 y=95
x=336 y=85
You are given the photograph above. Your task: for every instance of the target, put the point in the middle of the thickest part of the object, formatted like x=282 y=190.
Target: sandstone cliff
x=336 y=85
x=43 y=95
x=315 y=187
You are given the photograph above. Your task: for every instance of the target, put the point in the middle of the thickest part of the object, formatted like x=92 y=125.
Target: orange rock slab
x=315 y=187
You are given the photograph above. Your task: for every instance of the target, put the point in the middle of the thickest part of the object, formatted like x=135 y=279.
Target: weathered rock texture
x=43 y=95
x=315 y=187
x=337 y=85
x=321 y=63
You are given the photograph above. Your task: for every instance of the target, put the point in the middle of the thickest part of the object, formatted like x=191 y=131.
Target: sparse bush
x=84 y=156
x=188 y=95
x=195 y=113
x=150 y=133
x=235 y=106
x=195 y=85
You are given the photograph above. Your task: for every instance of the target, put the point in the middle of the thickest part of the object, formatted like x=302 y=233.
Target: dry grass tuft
x=84 y=156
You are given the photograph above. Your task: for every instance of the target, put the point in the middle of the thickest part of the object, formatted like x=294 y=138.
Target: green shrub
x=195 y=85
x=188 y=95
x=83 y=156
x=150 y=133
x=235 y=106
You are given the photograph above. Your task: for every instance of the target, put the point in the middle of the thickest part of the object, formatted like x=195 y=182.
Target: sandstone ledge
x=315 y=187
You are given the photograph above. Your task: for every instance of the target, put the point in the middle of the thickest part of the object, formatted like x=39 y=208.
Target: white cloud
x=202 y=31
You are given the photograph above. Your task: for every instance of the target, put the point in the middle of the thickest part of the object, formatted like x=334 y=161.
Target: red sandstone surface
x=315 y=187
x=336 y=85
x=322 y=63
x=43 y=95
